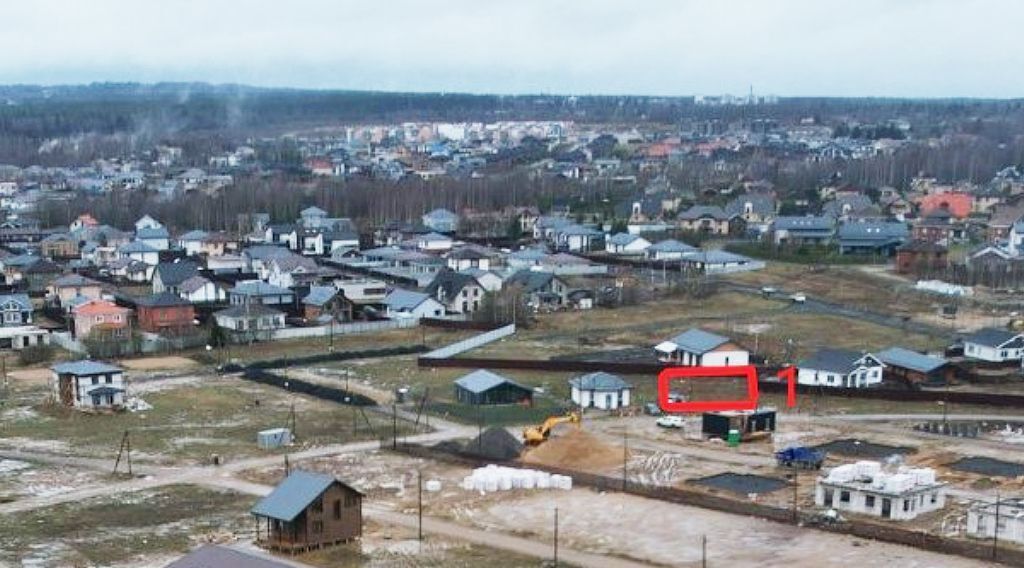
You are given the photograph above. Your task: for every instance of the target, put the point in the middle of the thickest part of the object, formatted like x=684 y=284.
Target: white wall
x=916 y=503
x=985 y=353
x=735 y=358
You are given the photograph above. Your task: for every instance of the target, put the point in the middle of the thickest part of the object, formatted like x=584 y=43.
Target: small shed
x=600 y=390
x=273 y=438
x=307 y=511
x=485 y=387
x=747 y=422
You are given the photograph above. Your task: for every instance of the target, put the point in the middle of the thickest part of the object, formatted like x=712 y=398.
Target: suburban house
x=140 y=251
x=434 y=242
x=881 y=238
x=22 y=336
x=753 y=208
x=709 y=219
x=441 y=220
x=669 y=249
x=626 y=244
x=258 y=292
x=459 y=292
x=489 y=280
x=983 y=522
x=406 y=304
x=200 y=290
x=168 y=276
x=39 y=274
x=88 y=385
x=16 y=310
x=542 y=289
x=994 y=345
x=699 y=348
x=326 y=302
x=165 y=313
x=484 y=387
x=249 y=319
x=63 y=290
x=466 y=258
x=60 y=245
x=865 y=488
x=600 y=390
x=221 y=556
x=913 y=368
x=803 y=230
x=921 y=256
x=841 y=368
x=578 y=238
x=291 y=271
x=308 y=511
x=154 y=237
x=285 y=235
x=109 y=319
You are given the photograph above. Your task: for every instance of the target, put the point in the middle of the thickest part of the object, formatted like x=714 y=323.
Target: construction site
x=559 y=452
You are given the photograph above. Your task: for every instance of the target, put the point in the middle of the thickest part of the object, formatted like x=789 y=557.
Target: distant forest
x=118 y=119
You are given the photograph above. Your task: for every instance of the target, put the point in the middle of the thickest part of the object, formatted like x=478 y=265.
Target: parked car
x=671 y=421
x=652 y=409
x=768 y=290
x=798 y=298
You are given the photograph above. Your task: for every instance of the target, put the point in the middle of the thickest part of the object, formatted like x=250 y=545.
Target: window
x=844 y=496
x=906 y=505
x=337 y=508
x=108 y=379
x=95 y=380
x=935 y=498
x=1002 y=353
x=869 y=501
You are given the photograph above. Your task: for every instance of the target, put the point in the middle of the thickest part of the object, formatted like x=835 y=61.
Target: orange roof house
x=958 y=204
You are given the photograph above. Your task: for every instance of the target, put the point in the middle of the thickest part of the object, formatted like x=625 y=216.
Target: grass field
x=108 y=530
x=192 y=422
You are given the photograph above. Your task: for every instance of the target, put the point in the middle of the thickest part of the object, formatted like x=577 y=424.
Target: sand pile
x=576 y=449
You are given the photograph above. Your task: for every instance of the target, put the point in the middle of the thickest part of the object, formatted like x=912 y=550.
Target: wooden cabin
x=308 y=511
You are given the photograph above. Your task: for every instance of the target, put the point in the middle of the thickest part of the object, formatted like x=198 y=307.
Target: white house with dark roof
x=841 y=368
x=88 y=385
x=140 y=251
x=669 y=249
x=441 y=220
x=407 y=304
x=994 y=345
x=600 y=390
x=699 y=348
x=626 y=244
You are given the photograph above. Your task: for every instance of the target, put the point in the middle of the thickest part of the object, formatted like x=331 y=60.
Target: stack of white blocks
x=499 y=478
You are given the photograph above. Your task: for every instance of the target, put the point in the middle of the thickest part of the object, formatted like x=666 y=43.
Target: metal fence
x=471 y=343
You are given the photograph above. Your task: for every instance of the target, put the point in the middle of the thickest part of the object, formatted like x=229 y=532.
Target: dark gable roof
x=162 y=300
x=702 y=211
x=763 y=205
x=530 y=280
x=599 y=381
x=450 y=283
x=699 y=341
x=482 y=380
x=174 y=273
x=900 y=357
x=833 y=360
x=995 y=338
x=217 y=556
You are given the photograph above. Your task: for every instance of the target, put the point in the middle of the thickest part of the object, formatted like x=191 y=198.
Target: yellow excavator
x=537 y=435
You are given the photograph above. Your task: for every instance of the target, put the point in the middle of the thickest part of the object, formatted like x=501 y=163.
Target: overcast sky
x=932 y=48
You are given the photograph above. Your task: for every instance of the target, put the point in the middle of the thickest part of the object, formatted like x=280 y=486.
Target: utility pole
x=625 y=458
x=995 y=533
x=419 y=479
x=704 y=551
x=556 y=537
x=394 y=425
x=796 y=496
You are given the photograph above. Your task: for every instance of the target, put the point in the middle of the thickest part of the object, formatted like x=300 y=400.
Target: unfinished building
x=865 y=488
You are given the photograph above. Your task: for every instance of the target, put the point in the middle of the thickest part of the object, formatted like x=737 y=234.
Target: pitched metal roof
x=174 y=273
x=258 y=288
x=161 y=300
x=798 y=224
x=84 y=367
x=74 y=280
x=320 y=295
x=293 y=495
x=701 y=211
x=698 y=341
x=483 y=380
x=599 y=381
x=217 y=556
x=994 y=337
x=867 y=231
x=152 y=233
x=399 y=299
x=136 y=246
x=450 y=283
x=900 y=357
x=22 y=300
x=623 y=239
x=671 y=245
x=833 y=360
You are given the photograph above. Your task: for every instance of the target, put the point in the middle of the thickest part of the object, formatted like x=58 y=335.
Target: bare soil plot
x=119 y=529
x=20 y=479
x=190 y=422
x=171 y=362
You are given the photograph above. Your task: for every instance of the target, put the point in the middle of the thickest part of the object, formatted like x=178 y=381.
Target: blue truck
x=800 y=457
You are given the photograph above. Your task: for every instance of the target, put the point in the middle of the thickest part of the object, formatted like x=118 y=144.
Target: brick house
x=165 y=313
x=101 y=316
